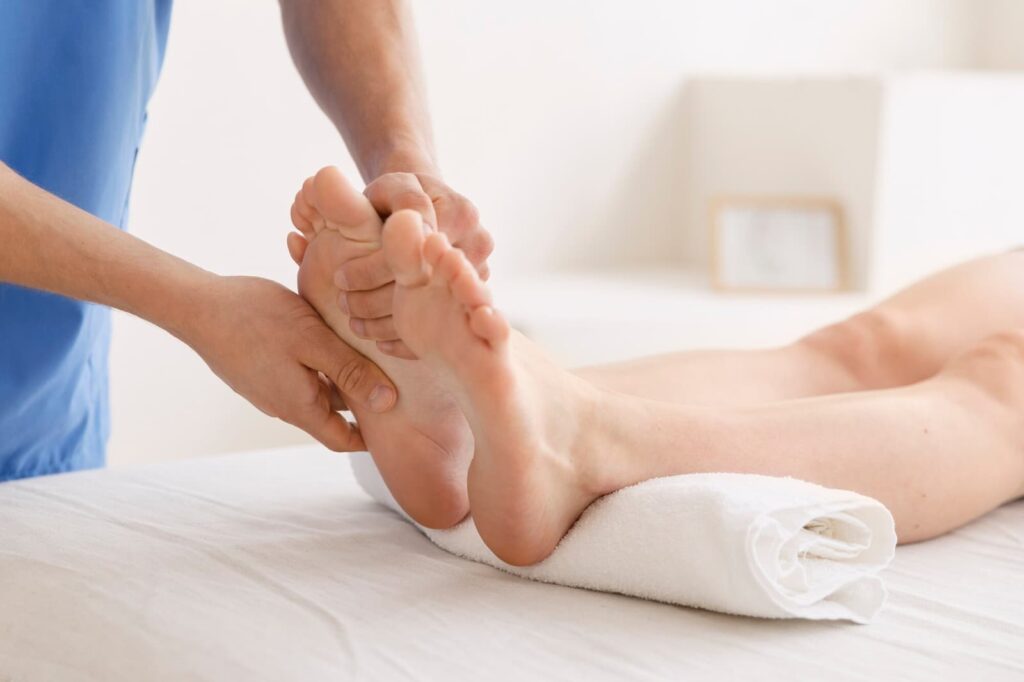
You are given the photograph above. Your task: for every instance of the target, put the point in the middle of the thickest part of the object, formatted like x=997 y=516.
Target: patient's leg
x=904 y=339
x=422 y=446
x=938 y=453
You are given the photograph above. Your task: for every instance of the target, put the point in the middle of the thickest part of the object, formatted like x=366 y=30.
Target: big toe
x=343 y=206
x=403 y=247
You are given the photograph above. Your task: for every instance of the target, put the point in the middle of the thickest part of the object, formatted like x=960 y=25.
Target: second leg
x=904 y=339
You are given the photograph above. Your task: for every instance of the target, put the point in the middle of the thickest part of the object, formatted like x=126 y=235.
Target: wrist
x=191 y=305
x=403 y=157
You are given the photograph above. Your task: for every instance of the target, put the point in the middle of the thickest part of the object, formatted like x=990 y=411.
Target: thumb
x=357 y=378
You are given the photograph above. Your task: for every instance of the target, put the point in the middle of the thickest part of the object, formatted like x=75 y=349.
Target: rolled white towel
x=737 y=543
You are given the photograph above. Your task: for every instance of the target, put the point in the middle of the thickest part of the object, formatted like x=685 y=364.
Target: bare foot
x=529 y=480
x=423 y=445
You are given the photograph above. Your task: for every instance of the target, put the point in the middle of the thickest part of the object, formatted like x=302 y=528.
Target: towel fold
x=737 y=543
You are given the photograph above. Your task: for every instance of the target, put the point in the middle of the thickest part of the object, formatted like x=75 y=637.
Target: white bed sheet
x=274 y=566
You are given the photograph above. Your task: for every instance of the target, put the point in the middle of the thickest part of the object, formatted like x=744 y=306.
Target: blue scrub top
x=75 y=78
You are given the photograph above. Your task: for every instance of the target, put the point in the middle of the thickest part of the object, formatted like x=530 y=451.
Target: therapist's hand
x=442 y=208
x=367 y=283
x=271 y=347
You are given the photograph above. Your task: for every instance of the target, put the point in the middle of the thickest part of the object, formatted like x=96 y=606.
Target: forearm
x=360 y=60
x=52 y=245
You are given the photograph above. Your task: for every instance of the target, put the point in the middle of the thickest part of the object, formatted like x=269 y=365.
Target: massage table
x=274 y=565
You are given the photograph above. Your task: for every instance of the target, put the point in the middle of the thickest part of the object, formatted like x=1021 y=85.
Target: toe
x=344 y=207
x=489 y=324
x=301 y=223
x=435 y=246
x=297 y=245
x=403 y=248
x=303 y=215
x=451 y=265
x=305 y=204
x=469 y=290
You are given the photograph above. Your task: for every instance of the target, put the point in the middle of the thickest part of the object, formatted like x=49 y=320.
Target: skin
x=906 y=338
x=917 y=402
x=422 y=446
x=269 y=345
x=361 y=62
x=937 y=453
x=263 y=340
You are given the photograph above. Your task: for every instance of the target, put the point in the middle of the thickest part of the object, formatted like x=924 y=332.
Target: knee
x=1006 y=348
x=995 y=365
x=874 y=348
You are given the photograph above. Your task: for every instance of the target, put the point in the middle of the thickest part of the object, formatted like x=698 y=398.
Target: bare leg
x=906 y=338
x=938 y=453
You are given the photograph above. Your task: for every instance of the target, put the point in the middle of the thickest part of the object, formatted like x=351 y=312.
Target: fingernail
x=343 y=303
x=382 y=398
x=358 y=326
x=340 y=280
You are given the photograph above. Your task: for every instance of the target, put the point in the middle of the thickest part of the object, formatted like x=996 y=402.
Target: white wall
x=561 y=120
x=951 y=172
x=1000 y=34
x=232 y=134
x=568 y=113
x=808 y=136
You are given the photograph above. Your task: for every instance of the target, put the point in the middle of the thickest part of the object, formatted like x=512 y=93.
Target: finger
x=360 y=381
x=337 y=402
x=456 y=215
x=364 y=273
x=333 y=430
x=382 y=329
x=297 y=245
x=393 y=192
x=459 y=220
x=478 y=245
x=325 y=424
x=368 y=305
x=396 y=349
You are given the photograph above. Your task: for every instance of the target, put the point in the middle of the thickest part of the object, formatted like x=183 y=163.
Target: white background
x=560 y=119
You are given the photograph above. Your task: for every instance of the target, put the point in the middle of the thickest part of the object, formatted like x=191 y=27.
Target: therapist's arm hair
x=360 y=60
x=263 y=340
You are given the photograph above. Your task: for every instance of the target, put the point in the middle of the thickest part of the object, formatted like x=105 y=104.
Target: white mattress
x=274 y=566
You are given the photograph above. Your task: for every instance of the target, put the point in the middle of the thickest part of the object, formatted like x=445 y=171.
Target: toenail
x=340 y=280
x=381 y=398
x=359 y=327
x=343 y=303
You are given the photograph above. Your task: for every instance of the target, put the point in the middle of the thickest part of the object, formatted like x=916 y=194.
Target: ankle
x=612 y=442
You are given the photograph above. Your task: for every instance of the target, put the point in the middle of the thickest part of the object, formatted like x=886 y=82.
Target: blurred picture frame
x=778 y=244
